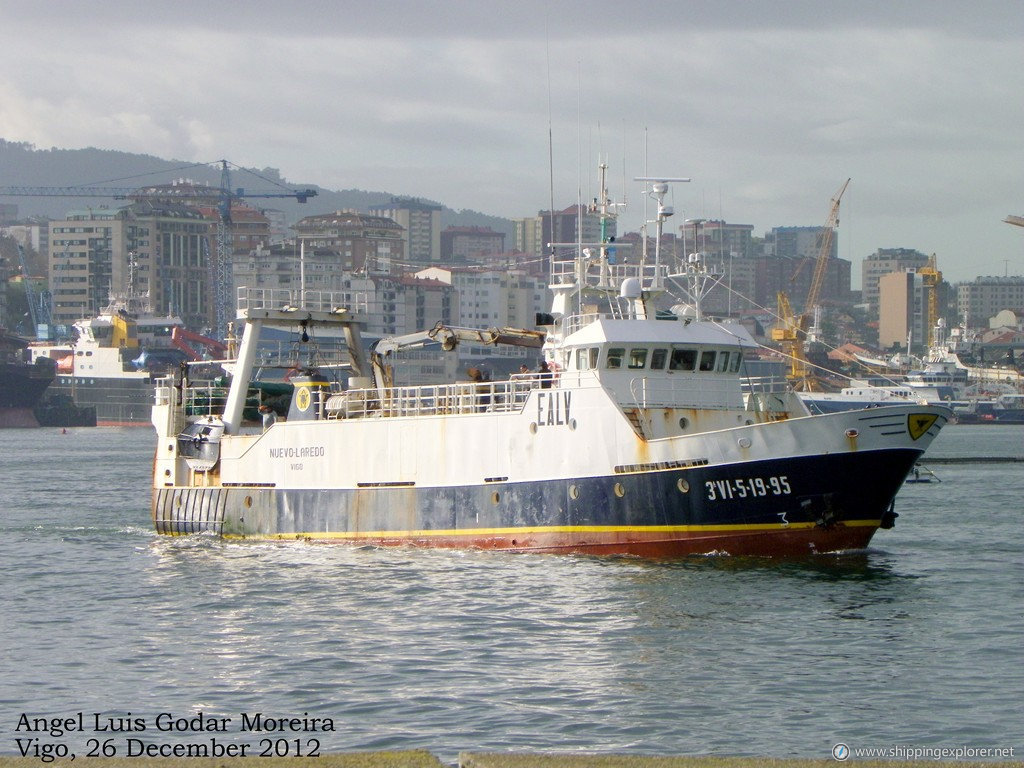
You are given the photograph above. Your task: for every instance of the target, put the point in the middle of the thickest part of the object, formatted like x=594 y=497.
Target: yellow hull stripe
x=550 y=529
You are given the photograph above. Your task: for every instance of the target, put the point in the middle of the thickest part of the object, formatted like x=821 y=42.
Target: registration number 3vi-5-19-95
x=747 y=487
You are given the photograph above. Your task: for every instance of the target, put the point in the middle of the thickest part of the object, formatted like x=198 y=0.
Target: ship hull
x=780 y=507
x=126 y=402
x=21 y=387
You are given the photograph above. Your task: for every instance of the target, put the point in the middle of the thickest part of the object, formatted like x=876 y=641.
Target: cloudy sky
x=768 y=106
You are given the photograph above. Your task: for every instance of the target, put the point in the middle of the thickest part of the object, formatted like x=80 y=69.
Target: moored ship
x=108 y=372
x=22 y=383
x=637 y=438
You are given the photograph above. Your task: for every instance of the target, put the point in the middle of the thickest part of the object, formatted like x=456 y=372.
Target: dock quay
x=972 y=459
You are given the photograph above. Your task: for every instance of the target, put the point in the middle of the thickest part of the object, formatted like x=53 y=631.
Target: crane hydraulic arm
x=449 y=338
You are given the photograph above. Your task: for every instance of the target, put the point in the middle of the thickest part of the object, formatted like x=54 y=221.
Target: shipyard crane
x=220 y=266
x=791 y=333
x=931 y=278
x=38 y=303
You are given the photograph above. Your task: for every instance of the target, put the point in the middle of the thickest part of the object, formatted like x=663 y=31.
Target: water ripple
x=477 y=650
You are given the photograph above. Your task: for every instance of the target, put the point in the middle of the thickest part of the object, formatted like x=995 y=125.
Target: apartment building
x=462 y=244
x=150 y=246
x=984 y=297
x=492 y=299
x=902 y=310
x=885 y=261
x=529 y=237
x=364 y=242
x=717 y=239
x=421 y=227
x=797 y=242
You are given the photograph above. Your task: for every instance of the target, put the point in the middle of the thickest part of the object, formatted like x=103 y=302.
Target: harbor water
x=915 y=643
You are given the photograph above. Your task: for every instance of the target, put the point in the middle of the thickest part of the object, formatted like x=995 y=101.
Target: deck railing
x=356 y=302
x=460 y=398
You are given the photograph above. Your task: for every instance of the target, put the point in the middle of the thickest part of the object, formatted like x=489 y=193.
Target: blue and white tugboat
x=639 y=440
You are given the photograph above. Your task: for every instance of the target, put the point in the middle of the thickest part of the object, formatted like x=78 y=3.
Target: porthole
x=572 y=424
x=574 y=492
x=495 y=497
x=619 y=490
x=743 y=442
x=684 y=422
x=852 y=433
x=683 y=485
x=533 y=427
x=248 y=501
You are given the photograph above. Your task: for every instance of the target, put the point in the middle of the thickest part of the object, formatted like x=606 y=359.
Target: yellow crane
x=791 y=333
x=931 y=278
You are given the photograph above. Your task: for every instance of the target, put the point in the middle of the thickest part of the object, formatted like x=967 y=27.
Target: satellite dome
x=630 y=288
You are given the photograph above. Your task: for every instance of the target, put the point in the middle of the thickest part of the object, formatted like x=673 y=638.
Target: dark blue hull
x=795 y=505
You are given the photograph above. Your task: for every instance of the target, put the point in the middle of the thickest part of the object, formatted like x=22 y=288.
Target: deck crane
x=791 y=333
x=449 y=337
x=220 y=266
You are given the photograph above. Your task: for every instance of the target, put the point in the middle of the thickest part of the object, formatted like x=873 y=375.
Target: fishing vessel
x=865 y=396
x=22 y=383
x=636 y=439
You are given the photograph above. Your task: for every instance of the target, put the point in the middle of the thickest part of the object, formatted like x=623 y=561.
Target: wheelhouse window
x=723 y=362
x=737 y=361
x=586 y=359
x=683 y=360
x=637 y=357
x=707 y=360
x=615 y=355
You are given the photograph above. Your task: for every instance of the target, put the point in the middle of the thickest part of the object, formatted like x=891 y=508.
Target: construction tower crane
x=220 y=265
x=791 y=333
x=221 y=271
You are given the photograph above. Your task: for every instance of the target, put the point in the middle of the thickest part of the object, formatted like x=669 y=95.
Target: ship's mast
x=659 y=188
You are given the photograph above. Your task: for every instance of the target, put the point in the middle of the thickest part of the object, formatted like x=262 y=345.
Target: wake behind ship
x=638 y=440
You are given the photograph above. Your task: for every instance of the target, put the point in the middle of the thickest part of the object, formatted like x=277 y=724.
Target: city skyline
x=768 y=109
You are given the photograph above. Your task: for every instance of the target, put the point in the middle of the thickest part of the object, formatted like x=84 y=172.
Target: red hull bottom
x=790 y=541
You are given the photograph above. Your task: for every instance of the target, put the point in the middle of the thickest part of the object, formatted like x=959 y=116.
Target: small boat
x=637 y=439
x=921 y=474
